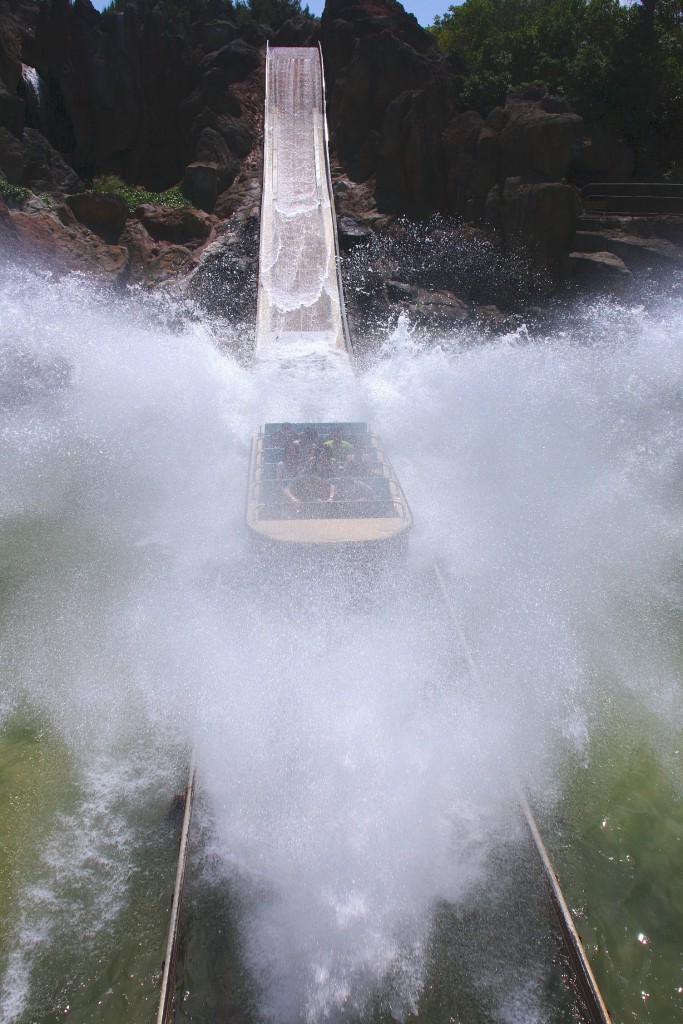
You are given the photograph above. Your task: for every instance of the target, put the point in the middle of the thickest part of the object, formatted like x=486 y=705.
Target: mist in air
x=354 y=772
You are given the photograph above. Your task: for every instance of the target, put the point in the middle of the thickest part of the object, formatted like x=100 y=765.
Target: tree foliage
x=266 y=12
x=271 y=12
x=622 y=65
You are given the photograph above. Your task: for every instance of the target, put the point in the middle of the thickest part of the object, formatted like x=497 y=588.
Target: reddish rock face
x=119 y=79
x=534 y=142
x=603 y=157
x=11 y=32
x=42 y=237
x=397 y=122
x=205 y=180
x=156 y=99
x=172 y=263
x=11 y=111
x=12 y=161
x=8 y=232
x=392 y=94
x=139 y=93
x=540 y=217
x=104 y=214
x=181 y=225
x=140 y=248
x=598 y=271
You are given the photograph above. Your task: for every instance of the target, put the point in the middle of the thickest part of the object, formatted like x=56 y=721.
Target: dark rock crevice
x=140 y=92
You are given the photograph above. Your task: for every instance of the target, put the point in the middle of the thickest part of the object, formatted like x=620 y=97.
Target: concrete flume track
x=301 y=308
x=300 y=296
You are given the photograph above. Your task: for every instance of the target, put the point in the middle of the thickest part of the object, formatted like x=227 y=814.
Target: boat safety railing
x=334 y=508
x=272 y=489
x=335 y=503
x=266 y=470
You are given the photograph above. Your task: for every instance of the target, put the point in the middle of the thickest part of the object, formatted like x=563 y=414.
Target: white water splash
x=352 y=766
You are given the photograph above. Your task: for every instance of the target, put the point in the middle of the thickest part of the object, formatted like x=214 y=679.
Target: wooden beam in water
x=582 y=969
x=585 y=980
x=166 y=1011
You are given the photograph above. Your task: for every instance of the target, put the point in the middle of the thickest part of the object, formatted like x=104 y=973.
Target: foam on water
x=80 y=885
x=298 y=283
x=354 y=771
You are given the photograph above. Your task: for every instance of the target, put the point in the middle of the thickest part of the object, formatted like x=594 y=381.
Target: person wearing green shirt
x=337 y=448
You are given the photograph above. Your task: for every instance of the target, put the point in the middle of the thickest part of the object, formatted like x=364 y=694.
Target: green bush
x=13 y=193
x=270 y=12
x=135 y=195
x=573 y=46
x=266 y=12
x=485 y=90
x=107 y=183
x=189 y=9
x=617 y=64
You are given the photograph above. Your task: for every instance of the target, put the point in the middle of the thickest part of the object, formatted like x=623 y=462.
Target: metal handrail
x=633 y=197
x=632 y=188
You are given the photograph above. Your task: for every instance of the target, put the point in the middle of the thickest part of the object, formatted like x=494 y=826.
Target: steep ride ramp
x=300 y=299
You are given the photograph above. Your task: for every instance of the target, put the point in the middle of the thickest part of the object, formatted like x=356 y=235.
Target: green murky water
x=619 y=854
x=113 y=974
x=616 y=844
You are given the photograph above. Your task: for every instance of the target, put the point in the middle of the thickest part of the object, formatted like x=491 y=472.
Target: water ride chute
x=301 y=318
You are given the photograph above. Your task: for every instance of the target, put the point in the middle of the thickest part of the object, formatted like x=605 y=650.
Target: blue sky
x=424 y=10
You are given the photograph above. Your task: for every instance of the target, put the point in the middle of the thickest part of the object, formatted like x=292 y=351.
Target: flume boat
x=351 y=500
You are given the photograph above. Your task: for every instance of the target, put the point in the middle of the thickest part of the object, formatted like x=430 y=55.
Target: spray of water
x=353 y=771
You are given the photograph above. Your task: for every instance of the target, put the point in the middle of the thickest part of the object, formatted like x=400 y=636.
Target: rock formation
x=138 y=92
x=391 y=95
x=159 y=100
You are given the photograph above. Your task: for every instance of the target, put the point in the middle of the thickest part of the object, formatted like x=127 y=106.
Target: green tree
x=615 y=64
x=271 y=12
